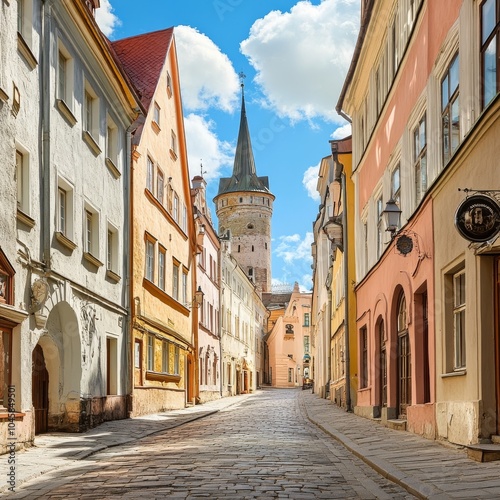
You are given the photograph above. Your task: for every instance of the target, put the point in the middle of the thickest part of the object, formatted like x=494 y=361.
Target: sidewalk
x=427 y=469
x=60 y=450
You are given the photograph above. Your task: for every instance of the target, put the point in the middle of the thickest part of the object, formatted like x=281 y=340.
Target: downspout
x=345 y=257
x=44 y=171
x=129 y=284
x=221 y=294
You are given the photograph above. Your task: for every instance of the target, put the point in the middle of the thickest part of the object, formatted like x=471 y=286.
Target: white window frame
x=149 y=258
x=112 y=248
x=459 y=312
x=112 y=141
x=90 y=112
x=162 y=263
x=22 y=162
x=150 y=173
x=91 y=225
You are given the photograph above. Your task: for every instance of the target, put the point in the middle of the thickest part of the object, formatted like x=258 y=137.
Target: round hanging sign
x=477 y=218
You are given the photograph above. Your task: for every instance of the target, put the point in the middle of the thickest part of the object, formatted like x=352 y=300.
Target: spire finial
x=201 y=169
x=242 y=76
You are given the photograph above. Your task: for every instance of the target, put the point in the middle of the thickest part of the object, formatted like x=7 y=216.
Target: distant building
x=244 y=207
x=289 y=343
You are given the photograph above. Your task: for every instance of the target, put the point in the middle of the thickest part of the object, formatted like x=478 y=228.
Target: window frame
x=459 y=313
x=493 y=37
x=447 y=107
x=420 y=164
x=149 y=258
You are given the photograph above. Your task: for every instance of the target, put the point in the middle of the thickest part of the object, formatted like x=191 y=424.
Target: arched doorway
x=404 y=359
x=40 y=390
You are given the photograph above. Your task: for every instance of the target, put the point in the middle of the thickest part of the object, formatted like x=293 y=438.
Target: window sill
x=113 y=168
x=65 y=241
x=162 y=377
x=458 y=373
x=25 y=218
x=173 y=154
x=155 y=127
x=66 y=112
x=91 y=143
x=25 y=51
x=93 y=260
x=113 y=276
x=10 y=313
x=4 y=415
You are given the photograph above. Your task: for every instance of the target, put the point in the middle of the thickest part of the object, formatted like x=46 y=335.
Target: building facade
x=164 y=308
x=289 y=342
x=76 y=282
x=208 y=273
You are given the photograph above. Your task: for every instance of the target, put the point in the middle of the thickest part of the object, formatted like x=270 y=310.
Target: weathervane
x=242 y=77
x=201 y=169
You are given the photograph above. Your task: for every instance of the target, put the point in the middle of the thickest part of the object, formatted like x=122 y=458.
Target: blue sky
x=295 y=55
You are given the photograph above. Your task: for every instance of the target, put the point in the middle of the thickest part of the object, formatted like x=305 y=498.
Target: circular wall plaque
x=477 y=218
x=404 y=244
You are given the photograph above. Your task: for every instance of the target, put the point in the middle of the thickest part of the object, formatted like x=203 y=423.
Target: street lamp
x=334 y=231
x=197 y=299
x=392 y=217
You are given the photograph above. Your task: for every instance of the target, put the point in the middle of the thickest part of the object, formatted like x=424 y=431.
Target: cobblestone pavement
x=260 y=448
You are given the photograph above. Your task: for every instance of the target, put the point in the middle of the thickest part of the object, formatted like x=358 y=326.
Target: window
x=306 y=319
x=160 y=184
x=364 y=357
x=150 y=260
x=91 y=230
x=420 y=158
x=25 y=19
x=90 y=112
x=306 y=344
x=64 y=209
x=459 y=319
x=161 y=267
x=184 y=218
x=164 y=357
x=169 y=84
x=112 y=249
x=22 y=180
x=175 y=281
x=62 y=206
x=176 y=208
x=111 y=142
x=173 y=143
x=290 y=374
x=176 y=360
x=380 y=228
x=490 y=37
x=184 y=286
x=151 y=353
x=62 y=76
x=450 y=112
x=156 y=114
x=150 y=174
x=396 y=185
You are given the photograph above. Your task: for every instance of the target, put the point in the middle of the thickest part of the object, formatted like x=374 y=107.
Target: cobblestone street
x=262 y=447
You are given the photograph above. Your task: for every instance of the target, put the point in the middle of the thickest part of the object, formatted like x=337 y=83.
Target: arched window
x=404 y=358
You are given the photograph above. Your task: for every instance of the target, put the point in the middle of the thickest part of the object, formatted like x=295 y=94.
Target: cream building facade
x=164 y=308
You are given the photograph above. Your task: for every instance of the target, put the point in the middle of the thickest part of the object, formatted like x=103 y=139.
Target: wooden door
x=40 y=390
x=497 y=337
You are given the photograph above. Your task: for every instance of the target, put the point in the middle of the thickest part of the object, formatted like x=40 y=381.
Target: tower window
x=252 y=248
x=241 y=200
x=250 y=226
x=239 y=248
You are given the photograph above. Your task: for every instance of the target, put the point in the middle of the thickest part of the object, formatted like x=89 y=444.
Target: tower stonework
x=244 y=208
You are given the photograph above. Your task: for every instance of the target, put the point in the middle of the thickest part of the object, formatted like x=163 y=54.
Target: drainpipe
x=345 y=257
x=129 y=289
x=45 y=97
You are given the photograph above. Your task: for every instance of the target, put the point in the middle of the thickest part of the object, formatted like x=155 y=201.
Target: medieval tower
x=244 y=207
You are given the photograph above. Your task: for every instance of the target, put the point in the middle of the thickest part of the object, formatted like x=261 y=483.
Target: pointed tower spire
x=244 y=176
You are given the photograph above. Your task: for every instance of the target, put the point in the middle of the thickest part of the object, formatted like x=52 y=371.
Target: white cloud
x=295 y=252
x=105 y=18
x=199 y=60
x=302 y=56
x=205 y=147
x=294 y=248
x=310 y=182
x=341 y=132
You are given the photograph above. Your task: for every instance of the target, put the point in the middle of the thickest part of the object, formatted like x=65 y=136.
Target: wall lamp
x=198 y=298
x=334 y=231
x=392 y=217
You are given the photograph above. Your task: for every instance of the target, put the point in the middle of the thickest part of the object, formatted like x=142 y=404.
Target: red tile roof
x=143 y=58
